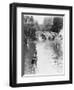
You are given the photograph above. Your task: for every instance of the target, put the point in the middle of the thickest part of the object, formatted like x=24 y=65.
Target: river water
x=45 y=62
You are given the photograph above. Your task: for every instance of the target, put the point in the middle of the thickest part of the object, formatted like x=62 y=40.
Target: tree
x=30 y=27
x=57 y=24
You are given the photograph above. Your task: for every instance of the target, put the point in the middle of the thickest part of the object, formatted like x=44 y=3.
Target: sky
x=40 y=18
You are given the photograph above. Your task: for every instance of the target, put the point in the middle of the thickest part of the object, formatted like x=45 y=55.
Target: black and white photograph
x=40 y=44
